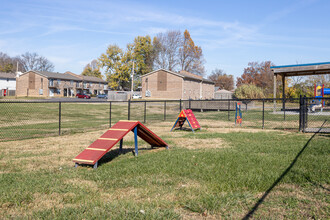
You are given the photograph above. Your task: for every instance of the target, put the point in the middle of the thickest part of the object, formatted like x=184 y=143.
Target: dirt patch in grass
x=227 y=127
x=194 y=143
x=46 y=153
x=30 y=122
x=85 y=184
x=39 y=202
x=44 y=201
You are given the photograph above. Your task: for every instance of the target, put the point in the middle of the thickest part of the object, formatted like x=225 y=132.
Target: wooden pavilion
x=297 y=70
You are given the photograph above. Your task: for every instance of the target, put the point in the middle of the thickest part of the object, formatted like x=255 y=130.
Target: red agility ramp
x=186 y=115
x=92 y=154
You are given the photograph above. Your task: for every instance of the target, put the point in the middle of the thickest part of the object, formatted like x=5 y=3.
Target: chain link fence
x=30 y=119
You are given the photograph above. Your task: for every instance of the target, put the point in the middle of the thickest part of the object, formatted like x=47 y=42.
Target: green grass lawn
x=211 y=173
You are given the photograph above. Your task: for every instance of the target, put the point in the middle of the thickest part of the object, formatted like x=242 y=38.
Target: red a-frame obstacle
x=92 y=154
x=186 y=115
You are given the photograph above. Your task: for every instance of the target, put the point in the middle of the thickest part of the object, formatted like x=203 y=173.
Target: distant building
x=165 y=84
x=7 y=84
x=50 y=84
x=91 y=84
x=223 y=94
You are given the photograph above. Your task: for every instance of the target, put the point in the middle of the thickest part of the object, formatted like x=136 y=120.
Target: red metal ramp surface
x=186 y=115
x=92 y=154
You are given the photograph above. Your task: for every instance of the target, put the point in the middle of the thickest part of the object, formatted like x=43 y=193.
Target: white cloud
x=154 y=30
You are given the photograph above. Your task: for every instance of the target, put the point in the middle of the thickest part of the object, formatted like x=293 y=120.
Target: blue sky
x=71 y=33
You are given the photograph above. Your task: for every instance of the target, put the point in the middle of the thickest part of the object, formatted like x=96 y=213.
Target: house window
x=41 y=83
x=51 y=82
x=147 y=84
x=59 y=82
x=77 y=84
x=71 y=82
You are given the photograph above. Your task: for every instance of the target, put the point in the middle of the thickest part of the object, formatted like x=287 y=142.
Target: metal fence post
x=284 y=102
x=180 y=106
x=129 y=110
x=145 y=112
x=228 y=109
x=110 y=115
x=300 y=112
x=164 y=110
x=263 y=113
x=305 y=113
x=59 y=118
x=189 y=104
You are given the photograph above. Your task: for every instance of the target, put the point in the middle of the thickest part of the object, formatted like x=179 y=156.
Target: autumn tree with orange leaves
x=222 y=80
x=258 y=74
x=191 y=56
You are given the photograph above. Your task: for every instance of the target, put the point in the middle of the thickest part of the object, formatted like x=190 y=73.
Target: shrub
x=249 y=91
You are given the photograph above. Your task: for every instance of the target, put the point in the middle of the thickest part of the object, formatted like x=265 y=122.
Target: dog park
x=262 y=168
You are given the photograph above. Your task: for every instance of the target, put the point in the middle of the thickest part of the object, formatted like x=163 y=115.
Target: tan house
x=165 y=84
x=50 y=84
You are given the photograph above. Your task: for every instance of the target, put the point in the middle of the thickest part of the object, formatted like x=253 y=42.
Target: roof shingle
x=57 y=75
x=7 y=75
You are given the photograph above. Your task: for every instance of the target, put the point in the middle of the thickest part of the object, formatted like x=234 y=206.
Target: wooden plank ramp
x=94 y=152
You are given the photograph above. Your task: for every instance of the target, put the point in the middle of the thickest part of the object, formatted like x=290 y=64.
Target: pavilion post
x=283 y=92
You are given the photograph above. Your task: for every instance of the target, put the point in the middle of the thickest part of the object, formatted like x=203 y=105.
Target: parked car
x=136 y=96
x=102 y=96
x=83 y=96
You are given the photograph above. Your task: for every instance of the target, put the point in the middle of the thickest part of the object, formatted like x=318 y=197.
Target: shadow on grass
x=108 y=157
x=260 y=201
x=115 y=153
x=185 y=129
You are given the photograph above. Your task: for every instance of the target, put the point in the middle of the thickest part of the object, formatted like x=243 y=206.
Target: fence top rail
x=162 y=101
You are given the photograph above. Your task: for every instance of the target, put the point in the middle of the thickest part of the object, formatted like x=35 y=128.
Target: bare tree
x=166 y=47
x=32 y=61
x=9 y=64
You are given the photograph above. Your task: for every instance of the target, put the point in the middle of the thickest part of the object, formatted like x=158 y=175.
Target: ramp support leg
x=95 y=165
x=136 y=141
x=175 y=123
x=121 y=146
x=191 y=127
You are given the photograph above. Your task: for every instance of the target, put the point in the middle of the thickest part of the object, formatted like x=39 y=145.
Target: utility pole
x=132 y=76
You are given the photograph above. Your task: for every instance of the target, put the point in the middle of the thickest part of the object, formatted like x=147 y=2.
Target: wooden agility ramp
x=94 y=152
x=186 y=115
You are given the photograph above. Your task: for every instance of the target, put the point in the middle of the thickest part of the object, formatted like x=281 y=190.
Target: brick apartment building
x=50 y=84
x=91 y=84
x=165 y=84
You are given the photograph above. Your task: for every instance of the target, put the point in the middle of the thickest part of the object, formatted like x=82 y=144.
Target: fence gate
x=313 y=120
